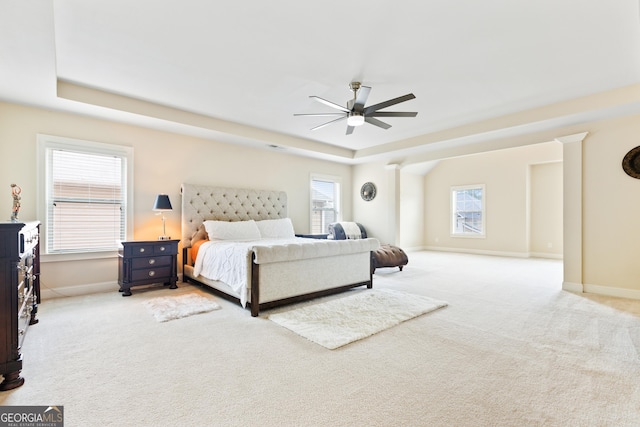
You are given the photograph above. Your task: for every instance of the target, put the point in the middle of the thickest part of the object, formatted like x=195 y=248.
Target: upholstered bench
x=389 y=256
x=385 y=256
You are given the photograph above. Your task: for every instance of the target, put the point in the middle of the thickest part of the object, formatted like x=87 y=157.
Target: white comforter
x=229 y=261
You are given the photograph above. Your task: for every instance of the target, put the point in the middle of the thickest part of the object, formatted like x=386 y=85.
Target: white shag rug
x=338 y=322
x=164 y=309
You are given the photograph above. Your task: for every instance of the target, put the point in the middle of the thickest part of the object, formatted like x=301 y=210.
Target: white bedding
x=227 y=262
x=230 y=261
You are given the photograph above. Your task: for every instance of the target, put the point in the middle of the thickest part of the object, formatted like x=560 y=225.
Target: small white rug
x=338 y=322
x=176 y=307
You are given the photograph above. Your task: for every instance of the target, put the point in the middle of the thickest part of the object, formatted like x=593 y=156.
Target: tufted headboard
x=203 y=202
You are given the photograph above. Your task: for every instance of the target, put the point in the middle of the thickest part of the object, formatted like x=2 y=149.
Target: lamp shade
x=162 y=203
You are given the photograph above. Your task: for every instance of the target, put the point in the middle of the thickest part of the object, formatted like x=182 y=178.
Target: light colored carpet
x=168 y=308
x=338 y=322
x=511 y=349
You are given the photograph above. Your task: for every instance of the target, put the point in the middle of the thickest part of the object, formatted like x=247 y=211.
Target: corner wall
x=610 y=210
x=162 y=161
x=507 y=178
x=376 y=215
x=412 y=212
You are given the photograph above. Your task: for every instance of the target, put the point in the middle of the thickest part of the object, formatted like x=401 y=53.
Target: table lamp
x=163 y=204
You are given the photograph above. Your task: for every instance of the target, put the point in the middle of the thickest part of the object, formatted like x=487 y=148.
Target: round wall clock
x=631 y=163
x=368 y=191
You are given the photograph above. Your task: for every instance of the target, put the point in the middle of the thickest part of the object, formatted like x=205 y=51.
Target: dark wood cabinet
x=147 y=262
x=19 y=294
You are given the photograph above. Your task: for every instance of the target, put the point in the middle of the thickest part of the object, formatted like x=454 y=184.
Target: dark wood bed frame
x=255 y=289
x=203 y=202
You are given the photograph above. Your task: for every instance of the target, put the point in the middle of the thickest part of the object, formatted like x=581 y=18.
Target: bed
x=268 y=269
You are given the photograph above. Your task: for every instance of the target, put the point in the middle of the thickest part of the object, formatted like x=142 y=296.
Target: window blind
x=468 y=211
x=324 y=204
x=86 y=201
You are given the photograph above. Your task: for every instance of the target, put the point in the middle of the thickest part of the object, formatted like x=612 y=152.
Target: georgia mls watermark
x=31 y=416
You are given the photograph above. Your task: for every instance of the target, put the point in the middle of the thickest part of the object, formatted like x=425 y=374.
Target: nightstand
x=147 y=262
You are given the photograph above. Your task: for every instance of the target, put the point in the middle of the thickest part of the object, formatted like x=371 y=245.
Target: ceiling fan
x=357 y=114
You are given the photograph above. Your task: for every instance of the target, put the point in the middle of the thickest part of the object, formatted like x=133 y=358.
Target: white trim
x=572 y=206
x=330 y=178
x=612 y=291
x=466 y=235
x=415 y=249
x=46 y=142
x=545 y=255
x=492 y=253
x=74 y=291
x=576 y=137
x=479 y=252
x=93 y=288
x=572 y=287
x=455 y=188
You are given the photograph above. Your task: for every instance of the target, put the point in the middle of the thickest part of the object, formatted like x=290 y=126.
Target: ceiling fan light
x=355 y=119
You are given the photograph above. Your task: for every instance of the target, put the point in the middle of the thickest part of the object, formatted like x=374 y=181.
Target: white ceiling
x=240 y=70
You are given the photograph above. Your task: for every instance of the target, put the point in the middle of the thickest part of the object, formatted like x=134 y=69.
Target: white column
x=572 y=210
x=393 y=185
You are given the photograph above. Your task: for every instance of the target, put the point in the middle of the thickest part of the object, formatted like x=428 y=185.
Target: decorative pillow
x=200 y=234
x=276 y=228
x=237 y=230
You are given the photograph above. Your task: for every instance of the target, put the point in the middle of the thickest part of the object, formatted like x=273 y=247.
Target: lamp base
x=164 y=238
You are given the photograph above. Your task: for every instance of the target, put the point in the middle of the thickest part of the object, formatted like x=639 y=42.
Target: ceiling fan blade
x=393 y=114
x=377 y=122
x=350 y=130
x=328 y=123
x=329 y=103
x=319 y=114
x=361 y=98
x=388 y=103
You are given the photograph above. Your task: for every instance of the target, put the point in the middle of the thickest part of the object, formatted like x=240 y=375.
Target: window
x=86 y=194
x=467 y=208
x=325 y=203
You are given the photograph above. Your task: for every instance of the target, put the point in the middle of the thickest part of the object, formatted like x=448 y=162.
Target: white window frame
x=452 y=216
x=50 y=142
x=337 y=202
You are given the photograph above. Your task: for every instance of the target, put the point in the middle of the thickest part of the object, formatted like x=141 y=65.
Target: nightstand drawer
x=165 y=249
x=138 y=250
x=150 y=273
x=156 y=261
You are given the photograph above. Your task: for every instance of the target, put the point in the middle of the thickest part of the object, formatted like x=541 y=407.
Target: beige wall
x=507 y=178
x=545 y=207
x=376 y=215
x=162 y=161
x=611 y=208
x=602 y=256
x=396 y=215
x=412 y=218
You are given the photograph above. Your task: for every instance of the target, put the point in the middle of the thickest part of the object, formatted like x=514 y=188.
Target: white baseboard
x=91 y=288
x=479 y=252
x=74 y=291
x=496 y=253
x=612 y=291
x=601 y=290
x=545 y=255
x=573 y=287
